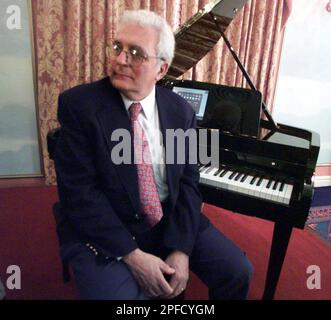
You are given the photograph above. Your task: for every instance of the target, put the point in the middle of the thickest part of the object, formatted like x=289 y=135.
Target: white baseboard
x=322 y=181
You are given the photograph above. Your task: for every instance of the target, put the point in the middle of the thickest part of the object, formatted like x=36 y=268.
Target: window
x=19 y=149
x=303 y=96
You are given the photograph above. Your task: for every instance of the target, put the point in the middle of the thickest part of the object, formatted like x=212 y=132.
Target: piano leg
x=281 y=236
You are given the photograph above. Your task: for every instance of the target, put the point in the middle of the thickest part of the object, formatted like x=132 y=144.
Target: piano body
x=269 y=177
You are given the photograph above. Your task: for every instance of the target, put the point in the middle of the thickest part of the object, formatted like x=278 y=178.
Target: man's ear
x=163 y=69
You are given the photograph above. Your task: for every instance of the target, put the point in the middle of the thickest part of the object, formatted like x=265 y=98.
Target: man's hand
x=178 y=281
x=148 y=270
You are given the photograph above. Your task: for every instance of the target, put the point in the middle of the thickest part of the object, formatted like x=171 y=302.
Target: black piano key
x=274 y=187
x=218 y=171
x=232 y=175
x=253 y=180
x=238 y=176
x=269 y=184
x=259 y=181
x=244 y=178
x=223 y=173
x=279 y=184
x=282 y=185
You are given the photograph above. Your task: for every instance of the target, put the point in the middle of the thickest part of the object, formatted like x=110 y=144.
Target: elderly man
x=134 y=230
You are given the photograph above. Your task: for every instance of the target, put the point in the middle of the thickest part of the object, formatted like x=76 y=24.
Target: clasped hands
x=149 y=271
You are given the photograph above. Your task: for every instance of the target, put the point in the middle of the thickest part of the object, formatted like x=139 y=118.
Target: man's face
x=136 y=81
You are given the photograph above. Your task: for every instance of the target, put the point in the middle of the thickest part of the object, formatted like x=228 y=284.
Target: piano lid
x=200 y=34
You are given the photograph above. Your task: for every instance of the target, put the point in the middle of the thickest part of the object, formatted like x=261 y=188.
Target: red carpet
x=28 y=240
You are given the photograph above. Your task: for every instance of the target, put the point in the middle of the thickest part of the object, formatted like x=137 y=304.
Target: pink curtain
x=256 y=36
x=71 y=37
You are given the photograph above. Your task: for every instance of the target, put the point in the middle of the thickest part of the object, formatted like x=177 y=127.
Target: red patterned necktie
x=149 y=198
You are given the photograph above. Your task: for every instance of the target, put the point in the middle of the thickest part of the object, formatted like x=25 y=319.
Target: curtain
x=256 y=36
x=71 y=37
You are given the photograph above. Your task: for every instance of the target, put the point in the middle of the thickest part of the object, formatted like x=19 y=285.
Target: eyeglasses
x=134 y=55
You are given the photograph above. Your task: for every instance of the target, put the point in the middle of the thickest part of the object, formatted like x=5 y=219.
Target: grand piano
x=266 y=169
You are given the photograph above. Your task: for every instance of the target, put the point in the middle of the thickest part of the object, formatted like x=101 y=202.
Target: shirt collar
x=147 y=103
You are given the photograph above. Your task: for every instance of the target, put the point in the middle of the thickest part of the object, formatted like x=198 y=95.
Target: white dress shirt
x=149 y=121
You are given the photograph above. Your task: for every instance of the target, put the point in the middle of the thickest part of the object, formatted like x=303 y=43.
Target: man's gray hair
x=166 y=46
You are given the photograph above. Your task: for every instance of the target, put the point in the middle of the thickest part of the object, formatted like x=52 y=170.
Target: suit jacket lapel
x=168 y=120
x=113 y=116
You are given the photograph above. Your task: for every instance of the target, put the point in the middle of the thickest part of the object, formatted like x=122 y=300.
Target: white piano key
x=255 y=188
x=282 y=194
x=269 y=192
x=231 y=182
x=241 y=186
x=223 y=182
x=237 y=185
x=276 y=194
x=250 y=186
x=246 y=186
x=206 y=176
x=263 y=189
x=212 y=178
x=288 y=193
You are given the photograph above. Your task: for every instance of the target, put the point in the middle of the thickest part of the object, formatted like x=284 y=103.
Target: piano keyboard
x=254 y=185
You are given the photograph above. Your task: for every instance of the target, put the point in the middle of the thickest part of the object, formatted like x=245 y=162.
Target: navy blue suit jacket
x=100 y=199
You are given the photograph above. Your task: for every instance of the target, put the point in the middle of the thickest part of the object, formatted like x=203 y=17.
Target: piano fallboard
x=287 y=156
x=296 y=160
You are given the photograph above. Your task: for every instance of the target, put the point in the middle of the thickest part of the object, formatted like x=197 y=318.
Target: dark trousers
x=215 y=259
